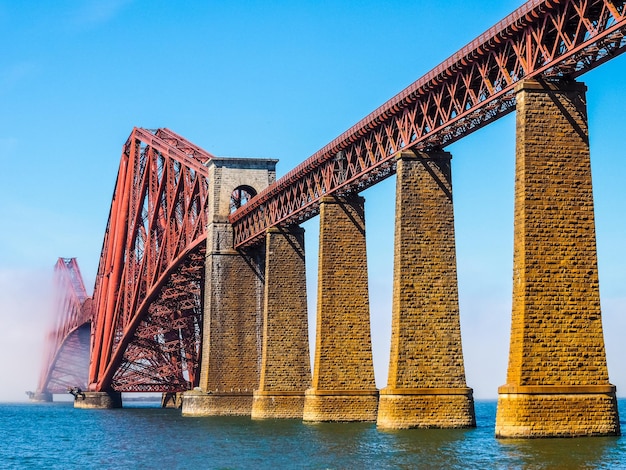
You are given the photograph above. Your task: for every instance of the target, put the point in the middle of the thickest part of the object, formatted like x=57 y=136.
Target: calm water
x=55 y=436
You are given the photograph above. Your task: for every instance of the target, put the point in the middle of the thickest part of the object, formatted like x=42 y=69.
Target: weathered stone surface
x=343 y=387
x=556 y=329
x=199 y=403
x=426 y=352
x=570 y=412
x=348 y=405
x=285 y=362
x=426 y=408
x=98 y=400
x=277 y=405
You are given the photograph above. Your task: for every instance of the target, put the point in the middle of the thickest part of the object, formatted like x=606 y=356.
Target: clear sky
x=275 y=79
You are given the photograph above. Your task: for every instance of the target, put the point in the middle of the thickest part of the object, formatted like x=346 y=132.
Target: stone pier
x=557 y=380
x=285 y=361
x=98 y=400
x=40 y=397
x=233 y=304
x=343 y=387
x=426 y=387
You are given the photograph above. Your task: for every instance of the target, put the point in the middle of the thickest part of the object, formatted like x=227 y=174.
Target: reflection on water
x=58 y=436
x=581 y=453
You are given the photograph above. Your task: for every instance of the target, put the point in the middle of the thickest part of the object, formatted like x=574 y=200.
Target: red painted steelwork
x=148 y=293
x=66 y=359
x=543 y=38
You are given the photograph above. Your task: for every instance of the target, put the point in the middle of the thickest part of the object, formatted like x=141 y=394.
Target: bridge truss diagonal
x=545 y=39
x=149 y=285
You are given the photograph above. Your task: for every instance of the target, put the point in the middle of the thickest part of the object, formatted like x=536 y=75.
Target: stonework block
x=232 y=323
x=344 y=407
x=426 y=350
x=556 y=327
x=557 y=415
x=233 y=305
x=285 y=362
x=277 y=406
x=198 y=403
x=343 y=369
x=429 y=409
x=98 y=400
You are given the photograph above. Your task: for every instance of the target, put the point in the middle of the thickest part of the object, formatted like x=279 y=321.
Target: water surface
x=57 y=436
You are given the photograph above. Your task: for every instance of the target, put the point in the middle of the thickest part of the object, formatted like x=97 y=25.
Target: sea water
x=57 y=436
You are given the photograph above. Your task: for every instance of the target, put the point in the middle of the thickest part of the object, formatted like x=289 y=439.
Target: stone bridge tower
x=233 y=297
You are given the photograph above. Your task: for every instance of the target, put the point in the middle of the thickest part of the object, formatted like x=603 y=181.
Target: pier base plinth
x=172 y=400
x=200 y=403
x=98 y=400
x=326 y=406
x=277 y=405
x=556 y=411
x=40 y=397
x=426 y=408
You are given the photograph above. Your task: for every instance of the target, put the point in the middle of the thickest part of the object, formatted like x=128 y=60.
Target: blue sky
x=272 y=79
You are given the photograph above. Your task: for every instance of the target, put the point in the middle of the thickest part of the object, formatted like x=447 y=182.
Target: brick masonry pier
x=557 y=380
x=426 y=385
x=343 y=387
x=285 y=361
x=233 y=301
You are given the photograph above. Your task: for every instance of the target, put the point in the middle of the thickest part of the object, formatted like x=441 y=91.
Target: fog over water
x=25 y=312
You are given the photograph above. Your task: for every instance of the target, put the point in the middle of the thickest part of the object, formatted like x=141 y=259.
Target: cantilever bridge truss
x=147 y=320
x=148 y=292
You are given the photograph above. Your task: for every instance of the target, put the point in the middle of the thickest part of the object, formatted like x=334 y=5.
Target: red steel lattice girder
x=147 y=338
x=543 y=38
x=67 y=343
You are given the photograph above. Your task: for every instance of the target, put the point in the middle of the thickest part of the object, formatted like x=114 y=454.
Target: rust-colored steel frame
x=148 y=292
x=543 y=38
x=67 y=346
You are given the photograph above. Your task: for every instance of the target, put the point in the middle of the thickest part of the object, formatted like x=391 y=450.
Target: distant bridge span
x=67 y=353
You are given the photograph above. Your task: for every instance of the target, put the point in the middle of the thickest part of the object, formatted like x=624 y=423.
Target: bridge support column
x=41 y=397
x=285 y=362
x=98 y=400
x=172 y=400
x=343 y=387
x=233 y=295
x=426 y=386
x=232 y=336
x=557 y=380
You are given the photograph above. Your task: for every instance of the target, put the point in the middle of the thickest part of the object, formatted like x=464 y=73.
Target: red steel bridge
x=67 y=344
x=145 y=315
